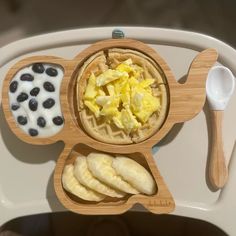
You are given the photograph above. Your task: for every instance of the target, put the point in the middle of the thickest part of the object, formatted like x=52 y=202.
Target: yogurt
x=34 y=96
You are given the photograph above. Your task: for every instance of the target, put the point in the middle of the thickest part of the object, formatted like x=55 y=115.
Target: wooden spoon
x=219 y=88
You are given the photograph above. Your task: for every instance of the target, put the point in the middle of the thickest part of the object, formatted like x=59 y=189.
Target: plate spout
x=189 y=98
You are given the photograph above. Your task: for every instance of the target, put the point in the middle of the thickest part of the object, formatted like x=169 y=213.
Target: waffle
x=98 y=128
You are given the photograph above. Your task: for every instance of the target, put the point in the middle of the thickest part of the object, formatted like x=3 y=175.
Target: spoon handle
x=218 y=172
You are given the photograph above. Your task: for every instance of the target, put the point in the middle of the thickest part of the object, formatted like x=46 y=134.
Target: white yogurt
x=40 y=119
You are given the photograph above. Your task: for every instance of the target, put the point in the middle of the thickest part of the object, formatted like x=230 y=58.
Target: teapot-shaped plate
x=184 y=102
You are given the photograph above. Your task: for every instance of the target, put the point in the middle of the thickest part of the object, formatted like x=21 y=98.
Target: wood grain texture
x=218 y=171
x=184 y=101
x=68 y=67
x=160 y=202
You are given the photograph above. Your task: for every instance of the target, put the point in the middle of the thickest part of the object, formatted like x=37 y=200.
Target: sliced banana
x=72 y=185
x=85 y=177
x=135 y=174
x=101 y=167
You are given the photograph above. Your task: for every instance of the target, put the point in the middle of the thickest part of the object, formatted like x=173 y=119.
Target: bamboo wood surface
x=184 y=101
x=160 y=202
x=218 y=171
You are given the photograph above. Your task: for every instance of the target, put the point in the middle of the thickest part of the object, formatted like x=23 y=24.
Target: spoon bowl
x=219 y=87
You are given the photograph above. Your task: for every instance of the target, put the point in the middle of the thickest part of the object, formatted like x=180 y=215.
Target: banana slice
x=85 y=177
x=135 y=174
x=72 y=185
x=101 y=167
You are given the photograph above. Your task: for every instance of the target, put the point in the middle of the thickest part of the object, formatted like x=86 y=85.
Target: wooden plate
x=185 y=101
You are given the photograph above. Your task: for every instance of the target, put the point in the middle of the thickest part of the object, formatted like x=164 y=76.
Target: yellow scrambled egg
x=121 y=97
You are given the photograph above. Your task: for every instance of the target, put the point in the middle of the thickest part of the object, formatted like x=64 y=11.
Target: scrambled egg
x=121 y=97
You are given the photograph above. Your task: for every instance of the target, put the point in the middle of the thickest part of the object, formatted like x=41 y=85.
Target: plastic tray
x=26 y=185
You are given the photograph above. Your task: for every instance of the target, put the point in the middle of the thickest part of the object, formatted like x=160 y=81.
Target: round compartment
x=144 y=105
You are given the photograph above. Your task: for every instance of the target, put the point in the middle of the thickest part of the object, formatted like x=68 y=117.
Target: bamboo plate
x=185 y=101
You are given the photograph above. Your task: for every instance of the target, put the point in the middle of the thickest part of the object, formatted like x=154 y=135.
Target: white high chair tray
x=26 y=184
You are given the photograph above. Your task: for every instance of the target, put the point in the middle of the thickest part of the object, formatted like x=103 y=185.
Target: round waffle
x=99 y=128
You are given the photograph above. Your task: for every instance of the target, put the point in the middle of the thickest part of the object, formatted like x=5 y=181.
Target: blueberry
x=58 y=120
x=38 y=68
x=27 y=77
x=35 y=91
x=33 y=104
x=41 y=122
x=48 y=86
x=13 y=86
x=22 y=97
x=33 y=132
x=15 y=107
x=51 y=72
x=48 y=103
x=22 y=120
